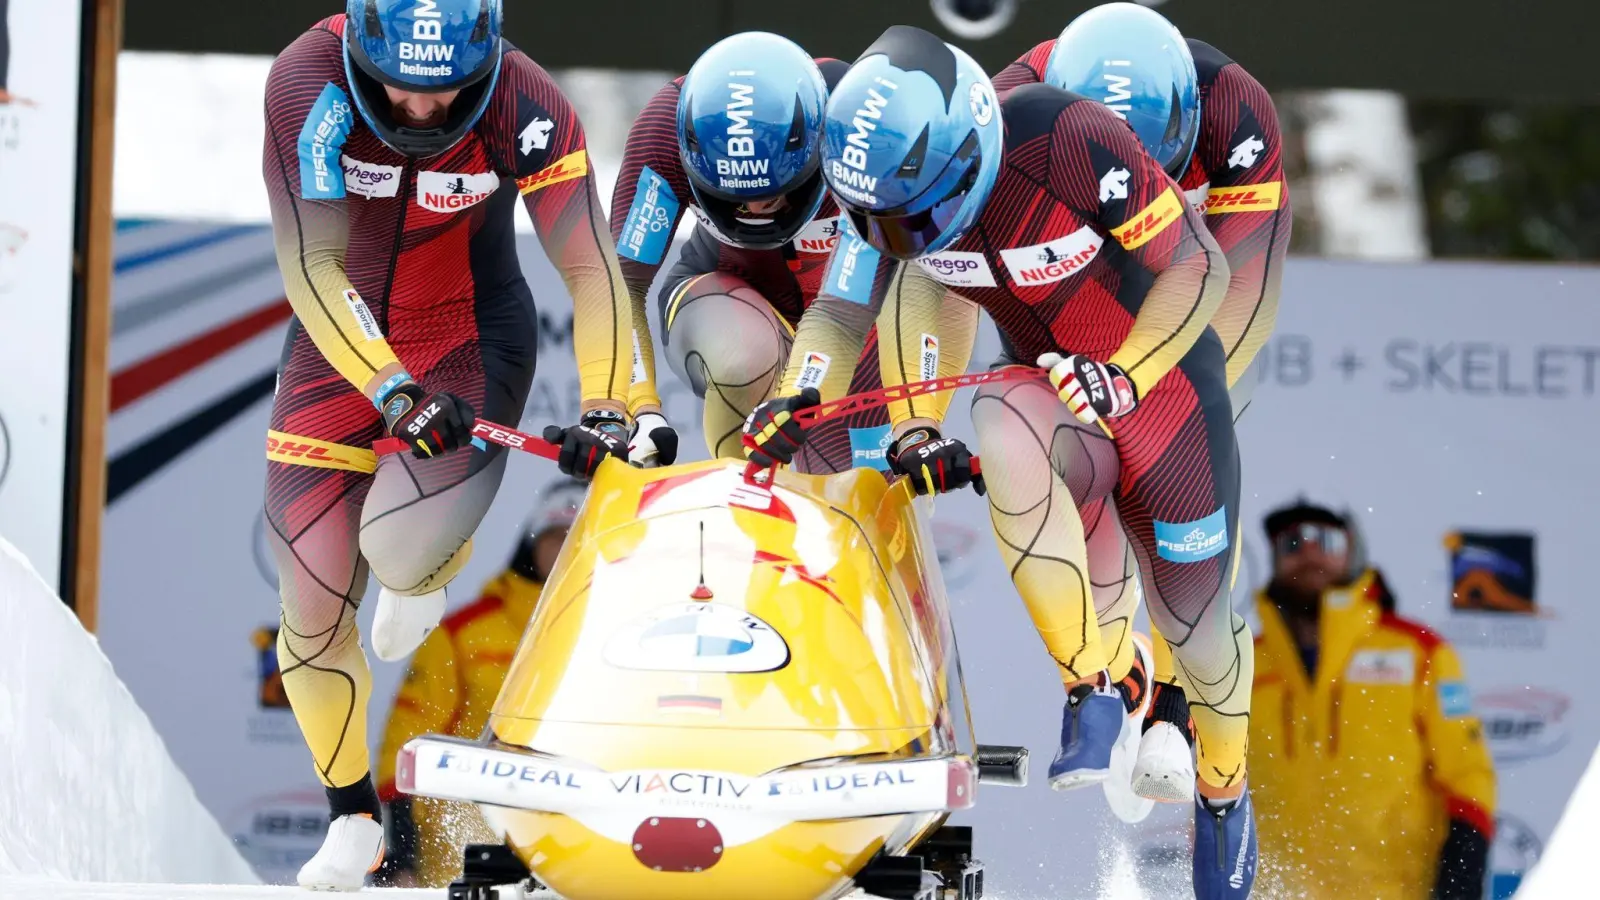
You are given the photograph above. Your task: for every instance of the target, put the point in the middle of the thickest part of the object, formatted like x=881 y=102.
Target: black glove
x=654 y=442
x=1463 y=863
x=600 y=433
x=431 y=424
x=772 y=435
x=934 y=464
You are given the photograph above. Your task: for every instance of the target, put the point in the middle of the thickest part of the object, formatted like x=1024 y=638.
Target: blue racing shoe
x=1224 y=849
x=1090 y=723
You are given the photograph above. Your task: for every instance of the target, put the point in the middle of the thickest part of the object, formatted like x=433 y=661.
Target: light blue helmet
x=749 y=131
x=912 y=142
x=1134 y=61
x=422 y=46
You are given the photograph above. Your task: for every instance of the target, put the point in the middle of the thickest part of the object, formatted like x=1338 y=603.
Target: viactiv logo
x=1187 y=542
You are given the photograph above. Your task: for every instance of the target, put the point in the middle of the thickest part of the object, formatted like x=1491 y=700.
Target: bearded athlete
x=398 y=138
x=1222 y=143
x=1046 y=211
x=736 y=142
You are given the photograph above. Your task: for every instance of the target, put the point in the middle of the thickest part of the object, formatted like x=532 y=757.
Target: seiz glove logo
x=610 y=441
x=1088 y=372
x=416 y=425
x=934 y=447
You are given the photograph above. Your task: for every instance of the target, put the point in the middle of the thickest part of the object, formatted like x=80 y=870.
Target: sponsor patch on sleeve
x=930 y=357
x=321 y=138
x=639 y=376
x=852 y=267
x=813 y=371
x=573 y=165
x=1455 y=700
x=1244 y=198
x=647 y=232
x=869 y=447
x=958 y=268
x=1150 y=221
x=364 y=316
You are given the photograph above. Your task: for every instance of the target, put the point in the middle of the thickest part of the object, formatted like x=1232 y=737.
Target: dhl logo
x=1244 y=198
x=573 y=165
x=304 y=451
x=1150 y=221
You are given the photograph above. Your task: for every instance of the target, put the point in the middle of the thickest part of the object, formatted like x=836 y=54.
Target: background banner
x=1450 y=407
x=38 y=197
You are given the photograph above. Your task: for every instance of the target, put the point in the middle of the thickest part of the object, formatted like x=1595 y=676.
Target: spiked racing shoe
x=1135 y=691
x=1224 y=849
x=1164 y=769
x=1090 y=722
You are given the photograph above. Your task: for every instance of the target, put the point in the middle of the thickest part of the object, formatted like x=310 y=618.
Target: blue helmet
x=1134 y=61
x=749 y=124
x=423 y=46
x=912 y=145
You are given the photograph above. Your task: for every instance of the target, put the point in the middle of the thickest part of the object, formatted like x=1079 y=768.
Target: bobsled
x=732 y=688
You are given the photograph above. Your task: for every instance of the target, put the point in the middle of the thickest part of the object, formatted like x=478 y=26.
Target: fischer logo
x=958 y=269
x=370 y=179
x=819 y=236
x=1053 y=261
x=849 y=174
x=449 y=192
x=428 y=26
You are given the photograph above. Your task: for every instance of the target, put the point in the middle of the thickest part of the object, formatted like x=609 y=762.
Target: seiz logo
x=851 y=178
x=449 y=192
x=1088 y=375
x=819 y=236
x=499 y=435
x=958 y=269
x=741 y=138
x=422 y=419
x=1053 y=261
x=1150 y=221
x=1244 y=198
x=370 y=179
x=1118 y=98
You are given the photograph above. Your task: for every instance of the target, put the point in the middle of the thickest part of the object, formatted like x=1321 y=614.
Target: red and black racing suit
x=728 y=313
x=393 y=263
x=1087 y=246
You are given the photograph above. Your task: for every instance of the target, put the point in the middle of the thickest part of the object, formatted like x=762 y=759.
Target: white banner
x=38 y=196
x=1415 y=394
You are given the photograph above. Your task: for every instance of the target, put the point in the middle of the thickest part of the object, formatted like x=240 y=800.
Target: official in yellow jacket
x=452 y=684
x=1372 y=779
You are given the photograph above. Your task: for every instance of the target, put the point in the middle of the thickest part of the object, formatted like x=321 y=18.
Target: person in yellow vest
x=1371 y=775
x=452 y=683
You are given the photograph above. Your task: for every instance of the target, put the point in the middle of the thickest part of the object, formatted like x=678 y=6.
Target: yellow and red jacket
x=1359 y=770
x=452 y=684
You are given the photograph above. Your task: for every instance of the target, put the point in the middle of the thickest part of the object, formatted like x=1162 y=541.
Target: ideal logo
x=449 y=192
x=1053 y=261
x=850 y=178
x=1188 y=542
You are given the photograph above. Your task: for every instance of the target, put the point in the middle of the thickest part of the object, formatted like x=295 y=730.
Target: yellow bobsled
x=732 y=689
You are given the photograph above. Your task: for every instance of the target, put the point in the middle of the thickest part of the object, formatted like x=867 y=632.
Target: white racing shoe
x=1125 y=803
x=352 y=850
x=402 y=623
x=1164 y=771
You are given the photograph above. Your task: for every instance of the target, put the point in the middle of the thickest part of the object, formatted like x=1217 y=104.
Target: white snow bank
x=87 y=790
x=1567 y=867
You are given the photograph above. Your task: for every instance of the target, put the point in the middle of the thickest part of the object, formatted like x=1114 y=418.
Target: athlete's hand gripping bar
x=488 y=431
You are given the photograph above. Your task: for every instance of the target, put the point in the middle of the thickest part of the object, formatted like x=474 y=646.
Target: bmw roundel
x=698 y=637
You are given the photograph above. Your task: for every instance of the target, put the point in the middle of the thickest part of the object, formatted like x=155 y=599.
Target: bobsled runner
x=733 y=688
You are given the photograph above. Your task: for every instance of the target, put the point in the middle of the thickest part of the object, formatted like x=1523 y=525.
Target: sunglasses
x=1329 y=539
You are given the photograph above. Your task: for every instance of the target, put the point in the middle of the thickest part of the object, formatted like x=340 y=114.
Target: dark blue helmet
x=1134 y=61
x=912 y=145
x=749 y=124
x=422 y=46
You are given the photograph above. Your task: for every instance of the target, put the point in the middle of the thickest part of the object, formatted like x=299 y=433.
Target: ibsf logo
x=1523 y=723
x=849 y=173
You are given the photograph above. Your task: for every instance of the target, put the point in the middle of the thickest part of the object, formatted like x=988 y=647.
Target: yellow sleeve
x=833 y=329
x=925 y=331
x=428 y=702
x=1462 y=770
x=310 y=226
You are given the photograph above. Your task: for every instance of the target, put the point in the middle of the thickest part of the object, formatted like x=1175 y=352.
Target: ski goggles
x=1329 y=539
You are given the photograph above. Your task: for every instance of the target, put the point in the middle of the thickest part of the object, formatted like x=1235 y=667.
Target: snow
x=87 y=789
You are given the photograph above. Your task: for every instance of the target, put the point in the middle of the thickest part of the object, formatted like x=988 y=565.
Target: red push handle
x=488 y=431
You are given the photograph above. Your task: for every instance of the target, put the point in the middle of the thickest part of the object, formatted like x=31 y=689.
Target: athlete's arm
x=650 y=198
x=834 y=327
x=1140 y=207
x=307 y=119
x=1028 y=69
x=1246 y=209
x=556 y=178
x=925 y=331
x=1461 y=770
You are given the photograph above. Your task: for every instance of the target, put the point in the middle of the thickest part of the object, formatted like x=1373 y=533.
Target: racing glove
x=1092 y=390
x=430 y=424
x=654 y=442
x=772 y=434
x=600 y=433
x=935 y=464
